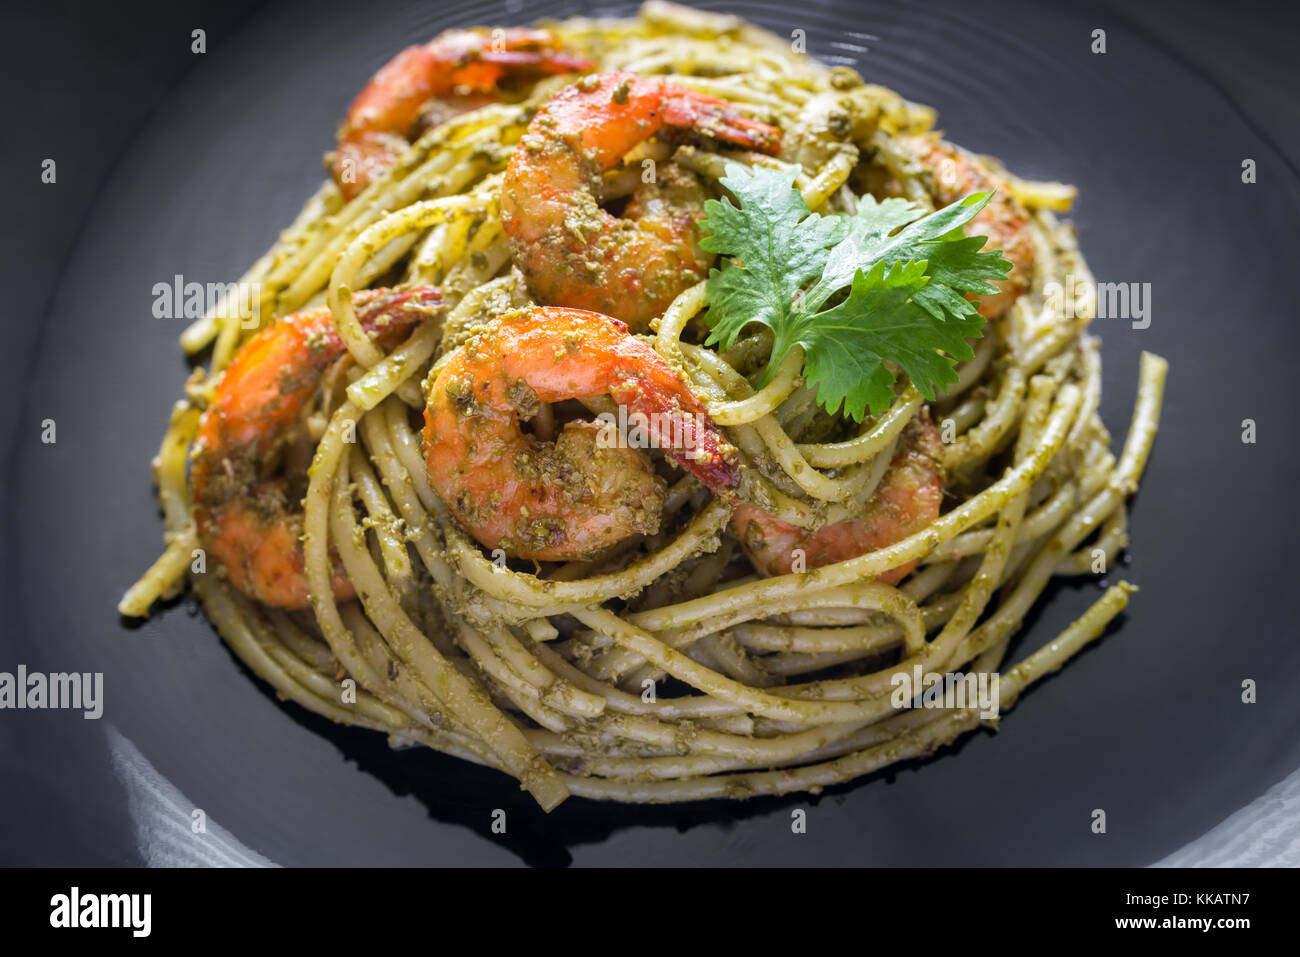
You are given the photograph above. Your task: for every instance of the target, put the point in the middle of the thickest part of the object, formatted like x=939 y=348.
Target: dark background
x=171 y=162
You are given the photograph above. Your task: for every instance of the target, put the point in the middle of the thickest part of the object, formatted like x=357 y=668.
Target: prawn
x=575 y=497
x=570 y=250
x=243 y=512
x=906 y=501
x=457 y=71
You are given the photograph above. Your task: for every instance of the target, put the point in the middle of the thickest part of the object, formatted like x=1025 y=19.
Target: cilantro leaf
x=955 y=264
x=781 y=243
x=845 y=347
x=901 y=276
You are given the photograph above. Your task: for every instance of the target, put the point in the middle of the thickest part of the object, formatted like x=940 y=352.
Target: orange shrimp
x=906 y=501
x=455 y=72
x=574 y=497
x=570 y=250
x=1003 y=220
x=244 y=514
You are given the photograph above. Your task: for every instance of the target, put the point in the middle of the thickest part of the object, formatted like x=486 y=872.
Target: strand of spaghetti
x=382 y=523
x=1047 y=517
x=730 y=659
x=692 y=707
x=833 y=174
x=162 y=578
x=1061 y=334
x=384 y=378
x=417 y=216
x=1053 y=656
x=728 y=89
x=1112 y=540
x=317 y=566
x=669 y=328
x=875 y=471
x=406 y=446
x=972 y=370
x=862 y=639
x=872 y=441
x=310 y=649
x=167 y=574
x=871 y=595
x=547 y=686
x=170 y=463
x=964 y=417
x=434 y=252
x=533 y=592
x=384 y=259
x=812 y=482
x=981 y=442
x=486 y=252
x=1152 y=372
x=763 y=402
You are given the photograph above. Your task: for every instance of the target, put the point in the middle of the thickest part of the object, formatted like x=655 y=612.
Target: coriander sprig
x=899 y=278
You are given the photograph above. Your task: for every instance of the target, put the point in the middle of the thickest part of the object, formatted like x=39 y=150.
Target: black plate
x=1148 y=725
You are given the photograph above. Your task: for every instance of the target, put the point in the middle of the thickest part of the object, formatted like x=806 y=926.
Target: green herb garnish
x=906 y=275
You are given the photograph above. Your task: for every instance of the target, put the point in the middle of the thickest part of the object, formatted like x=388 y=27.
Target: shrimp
x=243 y=511
x=906 y=501
x=457 y=71
x=1003 y=220
x=570 y=250
x=575 y=497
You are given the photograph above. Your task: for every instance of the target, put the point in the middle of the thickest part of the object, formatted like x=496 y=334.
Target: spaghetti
x=667 y=666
